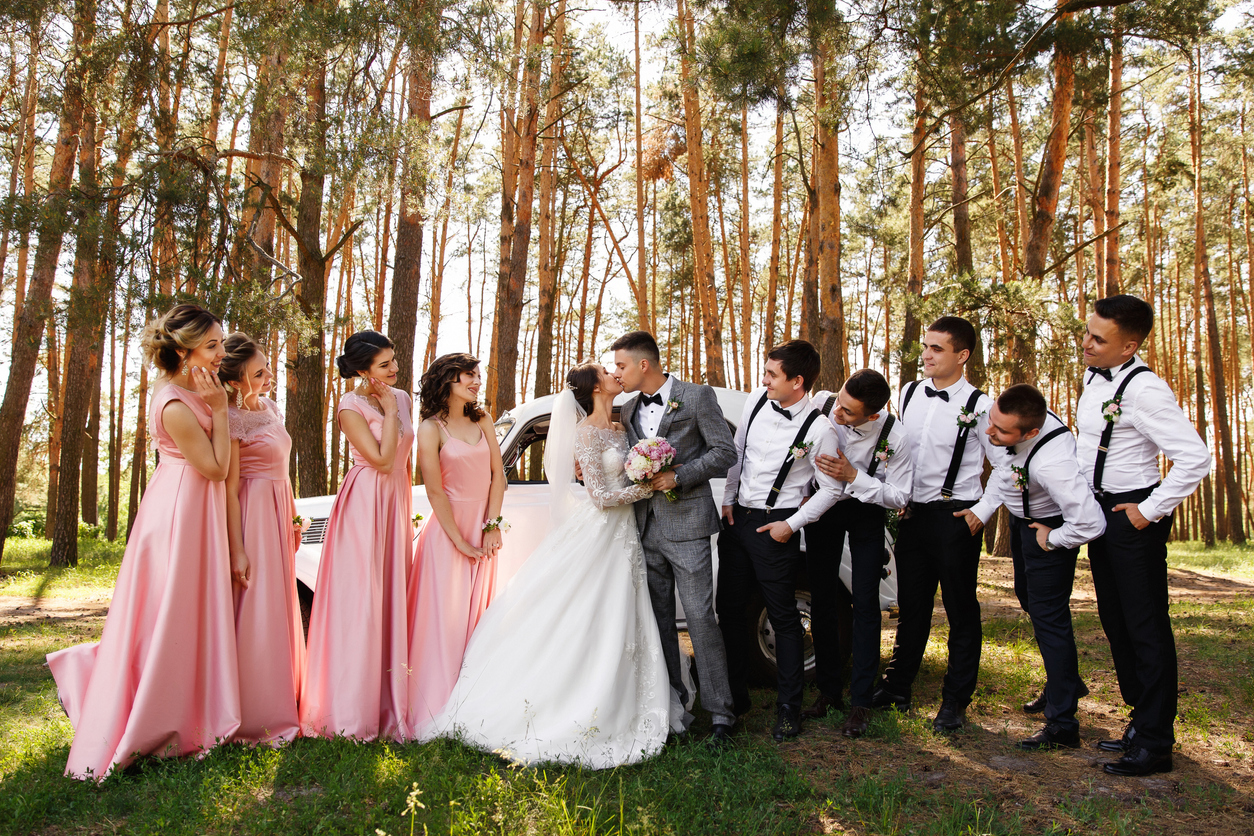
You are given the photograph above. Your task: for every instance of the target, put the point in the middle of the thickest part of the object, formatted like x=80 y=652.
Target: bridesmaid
x=162 y=680
x=263 y=537
x=454 y=573
x=356 y=681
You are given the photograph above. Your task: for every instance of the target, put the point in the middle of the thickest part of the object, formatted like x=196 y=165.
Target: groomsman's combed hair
x=961 y=332
x=437 y=384
x=798 y=358
x=641 y=345
x=1025 y=402
x=582 y=379
x=359 y=352
x=870 y=388
x=183 y=326
x=1134 y=316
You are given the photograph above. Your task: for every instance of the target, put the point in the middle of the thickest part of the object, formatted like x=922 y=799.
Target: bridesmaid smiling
x=454 y=572
x=356 y=681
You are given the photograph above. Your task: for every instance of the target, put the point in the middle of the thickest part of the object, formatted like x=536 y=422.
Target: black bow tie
x=1101 y=373
x=936 y=393
x=1010 y=451
x=781 y=410
x=656 y=400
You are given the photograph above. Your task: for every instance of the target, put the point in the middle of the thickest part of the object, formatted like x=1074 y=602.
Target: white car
x=521 y=433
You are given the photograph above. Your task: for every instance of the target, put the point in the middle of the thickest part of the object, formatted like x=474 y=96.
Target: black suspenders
x=1057 y=431
x=1103 y=446
x=788 y=460
x=960 y=445
x=889 y=420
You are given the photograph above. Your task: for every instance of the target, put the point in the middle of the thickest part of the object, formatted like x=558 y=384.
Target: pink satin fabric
x=356 y=681
x=448 y=592
x=162 y=680
x=269 y=636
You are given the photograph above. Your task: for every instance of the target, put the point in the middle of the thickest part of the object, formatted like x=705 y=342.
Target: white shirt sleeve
x=1159 y=418
x=894 y=491
x=732 y=488
x=1065 y=484
x=825 y=443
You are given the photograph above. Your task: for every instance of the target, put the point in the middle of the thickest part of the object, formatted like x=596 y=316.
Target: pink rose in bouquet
x=647 y=459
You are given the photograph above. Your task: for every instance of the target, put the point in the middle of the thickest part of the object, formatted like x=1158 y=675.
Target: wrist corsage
x=496 y=524
x=1112 y=409
x=968 y=419
x=300 y=523
x=800 y=451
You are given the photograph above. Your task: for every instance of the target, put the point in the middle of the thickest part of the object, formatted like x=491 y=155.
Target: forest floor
x=901 y=778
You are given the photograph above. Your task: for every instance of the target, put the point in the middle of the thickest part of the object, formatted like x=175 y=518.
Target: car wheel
x=763 y=667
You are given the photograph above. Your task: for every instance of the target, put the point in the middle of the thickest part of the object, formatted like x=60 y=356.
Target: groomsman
x=874 y=470
x=1052 y=515
x=1126 y=417
x=764 y=507
x=945 y=419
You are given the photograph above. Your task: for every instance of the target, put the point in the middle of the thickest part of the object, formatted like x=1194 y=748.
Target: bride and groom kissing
x=578 y=659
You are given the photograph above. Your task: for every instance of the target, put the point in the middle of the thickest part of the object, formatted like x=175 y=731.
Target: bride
x=566 y=664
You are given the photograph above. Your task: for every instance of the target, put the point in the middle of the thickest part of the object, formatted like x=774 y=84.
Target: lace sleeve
x=589 y=445
x=235 y=424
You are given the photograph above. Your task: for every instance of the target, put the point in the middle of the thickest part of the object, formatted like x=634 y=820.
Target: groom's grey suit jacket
x=704 y=449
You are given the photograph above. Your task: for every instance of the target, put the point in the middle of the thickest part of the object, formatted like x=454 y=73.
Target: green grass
x=25 y=570
x=1224 y=558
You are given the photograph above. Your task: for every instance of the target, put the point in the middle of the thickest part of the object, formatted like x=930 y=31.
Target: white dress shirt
x=762 y=455
x=891 y=485
x=649 y=415
x=931 y=425
x=1055 y=488
x=1151 y=422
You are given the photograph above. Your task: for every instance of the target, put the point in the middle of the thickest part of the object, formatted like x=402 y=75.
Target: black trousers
x=935 y=547
x=825 y=543
x=748 y=560
x=1048 y=577
x=1130 y=577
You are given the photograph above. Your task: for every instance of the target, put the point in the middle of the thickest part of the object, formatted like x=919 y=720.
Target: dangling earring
x=183 y=369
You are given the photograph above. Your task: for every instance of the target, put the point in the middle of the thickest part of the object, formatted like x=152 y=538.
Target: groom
x=676 y=535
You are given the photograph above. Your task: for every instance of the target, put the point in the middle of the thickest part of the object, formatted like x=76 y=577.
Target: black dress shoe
x=857 y=723
x=1119 y=745
x=720 y=736
x=1052 y=736
x=787 y=723
x=1137 y=761
x=821 y=705
x=951 y=717
x=1037 y=704
x=883 y=698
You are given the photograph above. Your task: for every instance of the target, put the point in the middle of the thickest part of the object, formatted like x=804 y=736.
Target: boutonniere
x=1112 y=409
x=883 y=452
x=1021 y=477
x=800 y=451
x=672 y=405
x=968 y=419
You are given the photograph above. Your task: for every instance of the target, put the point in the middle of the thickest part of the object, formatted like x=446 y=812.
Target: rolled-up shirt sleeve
x=1066 y=486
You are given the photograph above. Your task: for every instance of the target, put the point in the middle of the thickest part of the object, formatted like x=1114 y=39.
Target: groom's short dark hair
x=797 y=358
x=640 y=344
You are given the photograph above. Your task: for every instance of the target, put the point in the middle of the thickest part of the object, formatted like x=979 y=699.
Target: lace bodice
x=601 y=454
x=245 y=425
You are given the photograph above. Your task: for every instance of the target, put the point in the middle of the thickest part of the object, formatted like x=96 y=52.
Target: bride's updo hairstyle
x=182 y=327
x=581 y=380
x=359 y=352
x=436 y=386
x=240 y=351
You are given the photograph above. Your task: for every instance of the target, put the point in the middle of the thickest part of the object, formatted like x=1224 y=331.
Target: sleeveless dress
x=567 y=664
x=356 y=680
x=269 y=638
x=162 y=680
x=448 y=592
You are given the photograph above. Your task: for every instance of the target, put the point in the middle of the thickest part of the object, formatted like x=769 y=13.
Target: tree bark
x=777 y=216
x=406 y=277
x=1114 y=159
x=546 y=264
x=914 y=275
x=827 y=176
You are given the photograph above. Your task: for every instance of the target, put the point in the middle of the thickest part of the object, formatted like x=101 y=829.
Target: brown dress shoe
x=857 y=722
x=821 y=705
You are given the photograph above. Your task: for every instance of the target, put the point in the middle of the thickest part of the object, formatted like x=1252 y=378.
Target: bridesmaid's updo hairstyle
x=581 y=380
x=436 y=386
x=240 y=350
x=182 y=327
x=359 y=352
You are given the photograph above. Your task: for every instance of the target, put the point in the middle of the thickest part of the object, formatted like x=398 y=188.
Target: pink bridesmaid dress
x=448 y=592
x=269 y=636
x=162 y=680
x=356 y=680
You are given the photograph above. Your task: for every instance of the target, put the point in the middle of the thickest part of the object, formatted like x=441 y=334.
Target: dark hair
x=436 y=386
x=240 y=350
x=583 y=378
x=961 y=332
x=183 y=326
x=1026 y=403
x=639 y=343
x=797 y=358
x=868 y=387
x=359 y=352
x=1133 y=315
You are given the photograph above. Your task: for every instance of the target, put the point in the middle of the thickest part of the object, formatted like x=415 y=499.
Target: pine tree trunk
x=56 y=396
x=746 y=293
x=546 y=262
x=1021 y=200
x=777 y=216
x=89 y=493
x=646 y=315
x=964 y=261
x=832 y=345
x=407 y=275
x=1114 y=159
x=914 y=276
x=1045 y=199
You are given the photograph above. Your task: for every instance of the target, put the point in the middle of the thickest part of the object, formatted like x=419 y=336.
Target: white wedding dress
x=566 y=664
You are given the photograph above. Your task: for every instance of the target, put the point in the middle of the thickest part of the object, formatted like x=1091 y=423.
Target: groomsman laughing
x=1127 y=415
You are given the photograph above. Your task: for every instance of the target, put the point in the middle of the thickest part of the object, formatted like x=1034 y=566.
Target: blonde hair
x=182 y=327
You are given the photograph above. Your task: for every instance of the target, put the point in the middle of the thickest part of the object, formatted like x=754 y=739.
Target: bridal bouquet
x=648 y=458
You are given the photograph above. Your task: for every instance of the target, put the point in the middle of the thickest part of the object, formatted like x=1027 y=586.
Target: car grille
x=316 y=532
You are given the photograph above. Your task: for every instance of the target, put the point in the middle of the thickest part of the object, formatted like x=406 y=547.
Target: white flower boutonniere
x=883 y=452
x=800 y=451
x=1112 y=410
x=672 y=405
x=968 y=419
x=1021 y=477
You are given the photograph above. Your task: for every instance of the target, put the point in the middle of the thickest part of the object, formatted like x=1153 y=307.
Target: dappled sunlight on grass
x=1223 y=558
x=25 y=570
